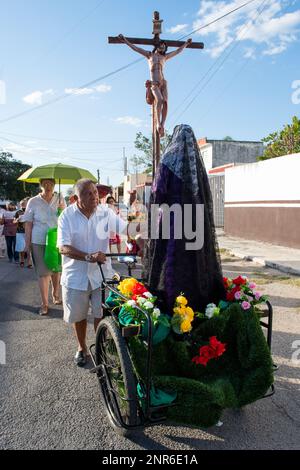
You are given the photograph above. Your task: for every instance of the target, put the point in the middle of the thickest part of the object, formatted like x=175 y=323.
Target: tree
x=143 y=144
x=10 y=171
x=284 y=142
x=228 y=138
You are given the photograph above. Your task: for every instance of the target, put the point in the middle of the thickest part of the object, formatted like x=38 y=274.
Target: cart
x=115 y=370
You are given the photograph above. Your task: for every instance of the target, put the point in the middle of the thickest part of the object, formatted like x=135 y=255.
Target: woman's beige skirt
x=38 y=252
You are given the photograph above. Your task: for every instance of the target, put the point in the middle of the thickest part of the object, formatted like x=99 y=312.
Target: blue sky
x=49 y=48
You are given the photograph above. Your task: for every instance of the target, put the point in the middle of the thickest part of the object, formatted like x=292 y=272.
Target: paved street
x=46 y=402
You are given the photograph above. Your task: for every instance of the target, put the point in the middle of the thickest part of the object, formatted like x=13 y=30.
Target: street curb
x=264 y=262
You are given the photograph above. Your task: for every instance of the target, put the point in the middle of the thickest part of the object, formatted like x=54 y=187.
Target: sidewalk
x=278 y=257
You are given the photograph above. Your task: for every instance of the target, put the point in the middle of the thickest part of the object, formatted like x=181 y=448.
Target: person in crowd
x=10 y=231
x=114 y=238
x=83 y=241
x=20 y=237
x=40 y=215
x=2 y=237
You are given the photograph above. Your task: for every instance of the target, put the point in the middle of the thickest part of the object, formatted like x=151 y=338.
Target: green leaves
x=143 y=144
x=10 y=170
x=284 y=142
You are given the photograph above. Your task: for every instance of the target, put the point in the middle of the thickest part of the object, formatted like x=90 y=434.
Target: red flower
x=138 y=290
x=230 y=296
x=239 y=281
x=218 y=347
x=225 y=282
x=213 y=350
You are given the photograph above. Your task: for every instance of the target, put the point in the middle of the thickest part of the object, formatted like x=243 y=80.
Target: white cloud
x=103 y=88
x=130 y=120
x=17 y=148
x=177 y=29
x=88 y=91
x=265 y=24
x=275 y=50
x=250 y=53
x=79 y=91
x=283 y=27
x=36 y=97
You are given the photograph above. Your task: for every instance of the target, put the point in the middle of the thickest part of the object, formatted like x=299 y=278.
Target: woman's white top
x=43 y=215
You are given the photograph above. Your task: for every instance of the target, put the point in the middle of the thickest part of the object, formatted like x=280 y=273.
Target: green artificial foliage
x=242 y=375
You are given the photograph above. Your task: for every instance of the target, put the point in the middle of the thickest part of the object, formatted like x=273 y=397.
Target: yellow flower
x=180 y=311
x=126 y=287
x=190 y=313
x=186 y=326
x=181 y=300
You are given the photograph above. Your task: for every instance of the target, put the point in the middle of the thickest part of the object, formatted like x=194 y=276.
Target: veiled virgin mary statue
x=181 y=253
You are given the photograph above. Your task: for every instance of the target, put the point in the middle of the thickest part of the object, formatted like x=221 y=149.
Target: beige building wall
x=262 y=201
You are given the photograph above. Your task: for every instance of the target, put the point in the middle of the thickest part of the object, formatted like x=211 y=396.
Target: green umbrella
x=63 y=174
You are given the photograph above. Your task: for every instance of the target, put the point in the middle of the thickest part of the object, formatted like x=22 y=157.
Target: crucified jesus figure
x=158 y=85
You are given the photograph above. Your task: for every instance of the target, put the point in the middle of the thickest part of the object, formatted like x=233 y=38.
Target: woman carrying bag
x=40 y=216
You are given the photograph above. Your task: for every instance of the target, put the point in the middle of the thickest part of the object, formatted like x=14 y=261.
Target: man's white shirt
x=89 y=236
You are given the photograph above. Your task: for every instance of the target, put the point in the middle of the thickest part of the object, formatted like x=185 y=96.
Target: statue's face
x=162 y=48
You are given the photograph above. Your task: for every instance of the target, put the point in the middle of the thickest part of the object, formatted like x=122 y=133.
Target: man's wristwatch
x=88 y=258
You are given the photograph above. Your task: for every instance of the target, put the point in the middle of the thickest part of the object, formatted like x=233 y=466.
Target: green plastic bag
x=113 y=300
x=52 y=256
x=159 y=332
x=157 y=397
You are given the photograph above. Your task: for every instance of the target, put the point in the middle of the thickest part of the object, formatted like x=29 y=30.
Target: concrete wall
x=238 y=152
x=207 y=155
x=262 y=201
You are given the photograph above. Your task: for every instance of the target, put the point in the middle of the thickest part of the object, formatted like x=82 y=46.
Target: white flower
x=131 y=303
x=148 y=304
x=141 y=300
x=156 y=312
x=210 y=309
x=148 y=295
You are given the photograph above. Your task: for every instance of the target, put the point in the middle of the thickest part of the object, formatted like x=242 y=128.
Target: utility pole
x=125 y=162
x=98 y=173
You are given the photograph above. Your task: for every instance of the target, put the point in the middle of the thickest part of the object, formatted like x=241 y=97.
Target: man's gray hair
x=81 y=184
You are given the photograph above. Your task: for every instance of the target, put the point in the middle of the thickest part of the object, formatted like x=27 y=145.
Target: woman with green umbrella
x=42 y=214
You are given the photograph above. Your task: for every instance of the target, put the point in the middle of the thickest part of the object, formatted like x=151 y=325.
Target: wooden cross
x=156 y=41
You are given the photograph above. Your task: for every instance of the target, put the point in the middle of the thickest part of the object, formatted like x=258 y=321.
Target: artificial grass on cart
x=242 y=375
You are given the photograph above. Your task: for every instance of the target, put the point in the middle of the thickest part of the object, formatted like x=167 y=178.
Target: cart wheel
x=116 y=377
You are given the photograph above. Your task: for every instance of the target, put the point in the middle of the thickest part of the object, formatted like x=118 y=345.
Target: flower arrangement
x=126 y=286
x=213 y=350
x=139 y=296
x=183 y=317
x=242 y=290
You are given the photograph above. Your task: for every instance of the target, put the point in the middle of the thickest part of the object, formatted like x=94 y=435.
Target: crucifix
x=156 y=88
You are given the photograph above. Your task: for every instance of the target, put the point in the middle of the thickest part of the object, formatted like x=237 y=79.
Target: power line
x=56 y=156
x=68 y=140
x=68 y=33
x=234 y=44
x=66 y=95
x=228 y=85
x=217 y=19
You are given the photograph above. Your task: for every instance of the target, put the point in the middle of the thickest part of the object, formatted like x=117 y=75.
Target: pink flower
x=238 y=295
x=252 y=285
x=257 y=295
x=246 y=305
